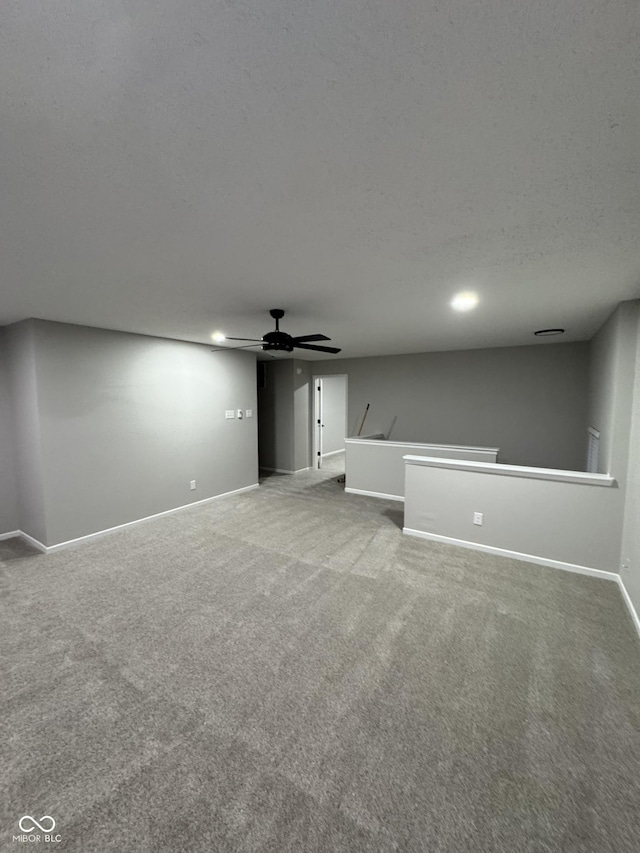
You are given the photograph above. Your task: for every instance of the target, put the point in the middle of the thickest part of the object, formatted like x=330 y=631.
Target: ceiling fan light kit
x=282 y=342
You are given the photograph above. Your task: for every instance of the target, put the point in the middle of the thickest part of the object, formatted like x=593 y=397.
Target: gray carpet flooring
x=283 y=671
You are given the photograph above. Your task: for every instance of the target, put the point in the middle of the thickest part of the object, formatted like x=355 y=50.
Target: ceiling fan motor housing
x=278 y=341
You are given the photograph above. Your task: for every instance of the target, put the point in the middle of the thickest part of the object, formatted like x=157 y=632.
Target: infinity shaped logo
x=35 y=824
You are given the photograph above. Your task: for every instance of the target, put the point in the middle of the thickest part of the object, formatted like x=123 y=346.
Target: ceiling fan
x=283 y=342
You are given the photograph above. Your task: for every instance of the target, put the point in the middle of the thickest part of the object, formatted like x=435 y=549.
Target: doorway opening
x=329 y=421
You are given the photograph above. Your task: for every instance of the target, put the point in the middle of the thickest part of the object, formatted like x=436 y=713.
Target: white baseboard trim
x=515 y=555
x=332 y=453
x=51 y=549
x=35 y=542
x=10 y=535
x=284 y=470
x=375 y=495
x=627 y=600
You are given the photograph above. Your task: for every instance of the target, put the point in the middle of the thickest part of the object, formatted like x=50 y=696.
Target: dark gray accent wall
x=127 y=421
x=8 y=484
x=276 y=417
x=531 y=402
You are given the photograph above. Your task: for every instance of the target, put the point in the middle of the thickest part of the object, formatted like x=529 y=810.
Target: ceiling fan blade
x=307 y=338
x=257 y=340
x=317 y=349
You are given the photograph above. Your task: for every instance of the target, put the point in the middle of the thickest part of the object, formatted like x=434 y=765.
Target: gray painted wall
x=334 y=413
x=612 y=367
x=611 y=395
x=21 y=346
x=126 y=421
x=631 y=532
x=531 y=402
x=8 y=485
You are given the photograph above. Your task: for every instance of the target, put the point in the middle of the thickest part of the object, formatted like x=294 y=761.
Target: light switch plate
x=249 y=413
x=230 y=413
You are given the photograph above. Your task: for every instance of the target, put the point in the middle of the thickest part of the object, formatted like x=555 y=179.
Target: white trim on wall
x=375 y=495
x=541 y=561
x=489 y=451
x=331 y=453
x=514 y=470
x=36 y=543
x=316 y=414
x=514 y=555
x=627 y=600
x=284 y=470
x=50 y=549
x=10 y=535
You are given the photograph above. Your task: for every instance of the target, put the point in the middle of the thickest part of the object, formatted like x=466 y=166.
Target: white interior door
x=317 y=423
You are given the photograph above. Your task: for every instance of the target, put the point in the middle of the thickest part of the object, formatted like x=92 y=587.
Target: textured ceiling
x=172 y=168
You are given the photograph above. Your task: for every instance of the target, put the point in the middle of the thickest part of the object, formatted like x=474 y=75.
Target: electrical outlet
x=192 y=485
x=478 y=518
x=230 y=413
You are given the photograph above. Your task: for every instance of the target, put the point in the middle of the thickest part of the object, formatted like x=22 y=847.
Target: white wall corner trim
x=375 y=495
x=50 y=549
x=514 y=555
x=331 y=453
x=627 y=600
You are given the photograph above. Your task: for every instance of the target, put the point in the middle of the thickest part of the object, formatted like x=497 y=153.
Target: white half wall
x=538 y=513
x=376 y=467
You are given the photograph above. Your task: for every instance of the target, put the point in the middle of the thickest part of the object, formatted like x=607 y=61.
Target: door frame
x=316 y=414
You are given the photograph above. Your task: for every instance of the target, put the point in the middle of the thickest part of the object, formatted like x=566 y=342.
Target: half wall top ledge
x=523 y=471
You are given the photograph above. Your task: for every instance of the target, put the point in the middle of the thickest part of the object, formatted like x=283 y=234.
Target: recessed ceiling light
x=218 y=336
x=547 y=333
x=464 y=301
